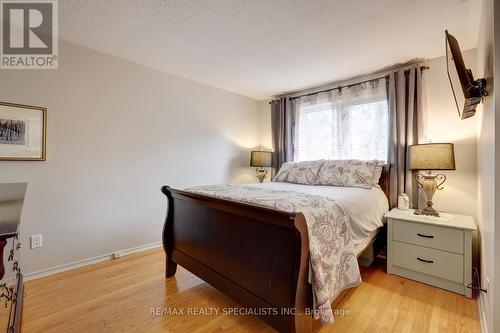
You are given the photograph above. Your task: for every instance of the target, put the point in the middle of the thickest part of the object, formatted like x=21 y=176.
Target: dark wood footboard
x=257 y=256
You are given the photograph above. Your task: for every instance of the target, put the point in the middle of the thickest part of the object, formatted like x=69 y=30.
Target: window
x=347 y=124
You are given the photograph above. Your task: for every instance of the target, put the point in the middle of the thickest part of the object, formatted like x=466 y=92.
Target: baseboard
x=89 y=261
x=482 y=316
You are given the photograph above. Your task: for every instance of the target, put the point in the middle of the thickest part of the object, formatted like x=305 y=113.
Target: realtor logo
x=29 y=34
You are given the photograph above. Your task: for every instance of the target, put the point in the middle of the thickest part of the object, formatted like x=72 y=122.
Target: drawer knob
x=425 y=236
x=426 y=261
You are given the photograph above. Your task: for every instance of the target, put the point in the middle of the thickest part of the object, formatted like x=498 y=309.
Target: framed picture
x=23 y=130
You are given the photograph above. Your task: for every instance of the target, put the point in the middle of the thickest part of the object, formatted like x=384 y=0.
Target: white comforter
x=365 y=207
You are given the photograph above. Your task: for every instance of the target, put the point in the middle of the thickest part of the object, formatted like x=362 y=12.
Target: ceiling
x=260 y=48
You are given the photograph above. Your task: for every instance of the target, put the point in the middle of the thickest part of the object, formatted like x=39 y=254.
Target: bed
x=260 y=256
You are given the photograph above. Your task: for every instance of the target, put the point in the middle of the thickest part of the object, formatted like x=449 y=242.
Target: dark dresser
x=11 y=278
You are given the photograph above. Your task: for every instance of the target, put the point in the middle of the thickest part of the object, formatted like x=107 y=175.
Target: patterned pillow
x=351 y=173
x=378 y=173
x=305 y=172
x=283 y=172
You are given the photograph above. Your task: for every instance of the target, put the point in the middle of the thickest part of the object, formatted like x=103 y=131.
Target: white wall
x=265 y=131
x=265 y=128
x=496 y=110
x=486 y=169
x=117 y=132
x=444 y=125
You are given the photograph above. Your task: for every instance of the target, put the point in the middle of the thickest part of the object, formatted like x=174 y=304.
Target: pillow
x=351 y=173
x=283 y=172
x=378 y=173
x=305 y=172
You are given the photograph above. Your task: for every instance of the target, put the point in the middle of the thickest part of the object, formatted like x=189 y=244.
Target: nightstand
x=433 y=250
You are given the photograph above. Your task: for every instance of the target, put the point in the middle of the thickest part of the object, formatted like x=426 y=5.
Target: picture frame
x=23 y=132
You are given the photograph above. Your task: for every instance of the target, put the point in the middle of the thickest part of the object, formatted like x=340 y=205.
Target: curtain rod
x=348 y=85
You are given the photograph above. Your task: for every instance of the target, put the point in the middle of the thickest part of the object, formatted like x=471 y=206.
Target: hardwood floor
x=118 y=295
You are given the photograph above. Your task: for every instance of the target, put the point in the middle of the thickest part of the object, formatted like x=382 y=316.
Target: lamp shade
x=432 y=156
x=260 y=159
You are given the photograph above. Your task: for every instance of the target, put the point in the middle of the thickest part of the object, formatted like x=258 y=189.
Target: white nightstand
x=436 y=251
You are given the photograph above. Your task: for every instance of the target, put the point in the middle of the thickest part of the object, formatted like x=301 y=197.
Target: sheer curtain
x=351 y=123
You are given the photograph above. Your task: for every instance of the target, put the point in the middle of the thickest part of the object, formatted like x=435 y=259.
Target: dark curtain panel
x=281 y=124
x=406 y=119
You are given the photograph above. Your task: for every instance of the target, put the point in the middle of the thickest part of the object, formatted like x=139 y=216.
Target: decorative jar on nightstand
x=433 y=250
x=403 y=201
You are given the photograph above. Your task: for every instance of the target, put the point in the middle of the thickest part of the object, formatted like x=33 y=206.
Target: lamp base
x=261 y=174
x=427 y=211
x=428 y=183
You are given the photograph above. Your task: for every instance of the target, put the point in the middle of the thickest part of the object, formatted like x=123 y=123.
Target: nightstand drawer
x=445 y=265
x=446 y=239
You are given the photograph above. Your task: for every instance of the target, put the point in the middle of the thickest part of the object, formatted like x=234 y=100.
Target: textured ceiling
x=260 y=48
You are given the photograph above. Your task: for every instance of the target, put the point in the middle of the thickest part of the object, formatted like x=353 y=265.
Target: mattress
x=365 y=207
x=364 y=243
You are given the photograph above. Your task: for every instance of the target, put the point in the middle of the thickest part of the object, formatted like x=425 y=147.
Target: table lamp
x=431 y=156
x=261 y=160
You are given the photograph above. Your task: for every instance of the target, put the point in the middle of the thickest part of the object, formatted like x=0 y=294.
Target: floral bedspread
x=332 y=256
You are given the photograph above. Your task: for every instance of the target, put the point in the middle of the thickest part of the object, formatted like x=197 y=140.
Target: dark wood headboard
x=385 y=181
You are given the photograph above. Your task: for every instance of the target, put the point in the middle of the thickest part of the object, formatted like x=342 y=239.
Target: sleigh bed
x=255 y=255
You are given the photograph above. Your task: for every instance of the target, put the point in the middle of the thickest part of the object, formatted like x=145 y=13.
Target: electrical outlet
x=36 y=241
